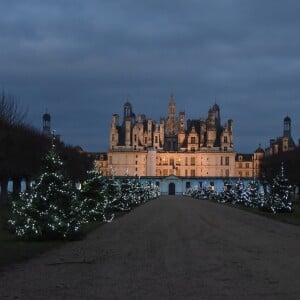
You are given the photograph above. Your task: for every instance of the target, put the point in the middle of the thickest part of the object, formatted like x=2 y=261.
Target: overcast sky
x=81 y=60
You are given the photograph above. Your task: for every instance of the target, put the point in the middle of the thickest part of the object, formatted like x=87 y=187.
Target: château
x=204 y=147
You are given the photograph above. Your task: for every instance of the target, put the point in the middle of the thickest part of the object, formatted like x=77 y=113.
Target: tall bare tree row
x=22 y=148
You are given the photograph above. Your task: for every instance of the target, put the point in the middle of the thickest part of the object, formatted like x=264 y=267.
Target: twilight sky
x=81 y=60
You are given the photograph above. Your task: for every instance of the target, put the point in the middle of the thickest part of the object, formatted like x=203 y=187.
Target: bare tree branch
x=10 y=111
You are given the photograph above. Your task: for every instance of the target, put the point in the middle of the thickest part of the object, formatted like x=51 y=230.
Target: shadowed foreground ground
x=170 y=248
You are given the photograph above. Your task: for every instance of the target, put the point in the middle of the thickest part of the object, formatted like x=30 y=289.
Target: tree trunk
x=16 y=187
x=4 y=192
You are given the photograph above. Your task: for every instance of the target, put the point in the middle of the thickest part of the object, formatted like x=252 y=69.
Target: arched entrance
x=172 y=188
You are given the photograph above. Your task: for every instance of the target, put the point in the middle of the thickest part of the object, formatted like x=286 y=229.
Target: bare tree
x=10 y=116
x=10 y=111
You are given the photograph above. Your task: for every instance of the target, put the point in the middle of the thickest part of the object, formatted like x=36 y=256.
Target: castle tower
x=216 y=109
x=114 y=134
x=127 y=111
x=287 y=127
x=46 y=124
x=171 y=127
x=171 y=121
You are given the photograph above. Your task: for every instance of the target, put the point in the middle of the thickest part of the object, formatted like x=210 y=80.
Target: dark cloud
x=82 y=60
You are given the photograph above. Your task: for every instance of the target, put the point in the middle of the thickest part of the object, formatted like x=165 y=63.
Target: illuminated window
x=171 y=161
x=227 y=161
x=193 y=160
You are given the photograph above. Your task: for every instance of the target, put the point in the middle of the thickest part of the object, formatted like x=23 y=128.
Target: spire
x=172 y=107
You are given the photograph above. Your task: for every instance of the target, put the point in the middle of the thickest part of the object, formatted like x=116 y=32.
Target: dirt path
x=170 y=248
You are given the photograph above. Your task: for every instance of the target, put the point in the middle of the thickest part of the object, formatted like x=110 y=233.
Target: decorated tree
x=228 y=195
x=279 y=199
x=252 y=196
x=137 y=191
x=93 y=203
x=49 y=209
x=127 y=195
x=151 y=191
x=239 y=192
x=113 y=194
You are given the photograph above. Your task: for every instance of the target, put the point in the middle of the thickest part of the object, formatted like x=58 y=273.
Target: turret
x=46 y=124
x=114 y=134
x=287 y=127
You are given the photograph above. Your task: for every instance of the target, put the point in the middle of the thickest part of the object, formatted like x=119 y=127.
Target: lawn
x=13 y=250
x=291 y=218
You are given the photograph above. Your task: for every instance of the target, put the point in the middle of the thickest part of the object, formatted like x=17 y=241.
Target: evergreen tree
x=114 y=195
x=239 y=190
x=93 y=204
x=252 y=197
x=279 y=199
x=137 y=192
x=49 y=209
x=126 y=195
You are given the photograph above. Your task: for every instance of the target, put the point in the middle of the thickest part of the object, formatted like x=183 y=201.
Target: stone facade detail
x=140 y=146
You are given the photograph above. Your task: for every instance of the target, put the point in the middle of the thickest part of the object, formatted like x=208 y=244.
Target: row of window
x=245 y=174
x=192 y=173
x=193 y=139
x=247 y=165
x=172 y=162
x=177 y=162
x=225 y=161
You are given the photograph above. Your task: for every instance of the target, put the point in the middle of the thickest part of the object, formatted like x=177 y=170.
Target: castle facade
x=140 y=146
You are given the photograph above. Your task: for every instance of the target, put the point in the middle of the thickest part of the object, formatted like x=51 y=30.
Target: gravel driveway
x=170 y=248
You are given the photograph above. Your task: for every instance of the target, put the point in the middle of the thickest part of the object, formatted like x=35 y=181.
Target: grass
x=13 y=250
x=286 y=217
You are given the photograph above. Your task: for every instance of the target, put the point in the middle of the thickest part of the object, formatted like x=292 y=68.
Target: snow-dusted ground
x=169 y=248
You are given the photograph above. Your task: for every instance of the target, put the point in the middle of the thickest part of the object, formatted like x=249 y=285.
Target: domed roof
x=287 y=119
x=259 y=150
x=46 y=117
